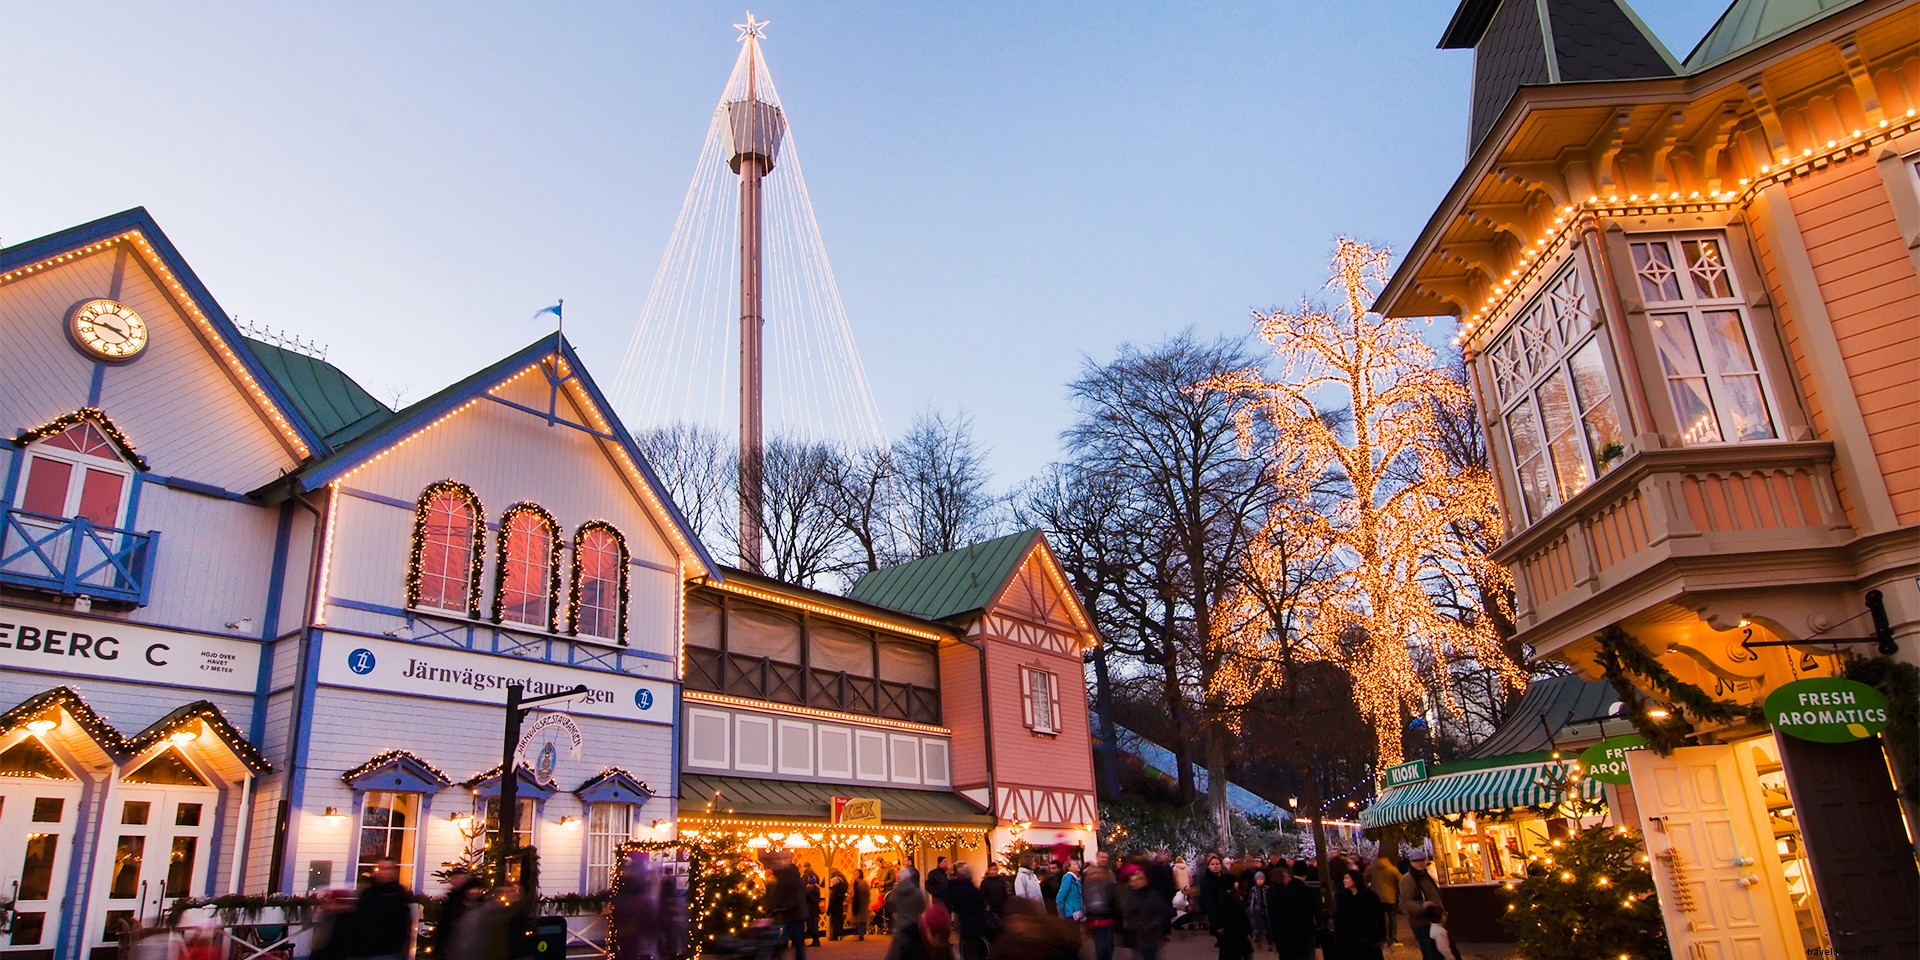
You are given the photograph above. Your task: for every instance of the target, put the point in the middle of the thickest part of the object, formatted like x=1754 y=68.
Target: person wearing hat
x=1418 y=891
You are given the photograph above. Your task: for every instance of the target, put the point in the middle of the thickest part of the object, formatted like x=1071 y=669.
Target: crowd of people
x=1049 y=905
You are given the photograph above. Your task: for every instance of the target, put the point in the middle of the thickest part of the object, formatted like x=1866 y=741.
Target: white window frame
x=1036 y=684
x=602 y=844
x=543 y=563
x=471 y=577
x=79 y=463
x=410 y=857
x=1695 y=307
x=1539 y=346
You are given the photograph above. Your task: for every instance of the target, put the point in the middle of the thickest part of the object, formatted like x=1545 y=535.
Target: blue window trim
x=530 y=789
x=618 y=787
x=401 y=774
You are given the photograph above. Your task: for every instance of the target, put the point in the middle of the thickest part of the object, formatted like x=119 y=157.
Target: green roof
x=1749 y=23
x=337 y=408
x=948 y=584
x=751 y=797
x=1547 y=706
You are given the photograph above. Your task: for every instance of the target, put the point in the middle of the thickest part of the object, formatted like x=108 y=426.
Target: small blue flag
x=555 y=310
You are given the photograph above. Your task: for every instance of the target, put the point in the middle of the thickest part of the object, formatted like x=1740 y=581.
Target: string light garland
x=504 y=549
x=69 y=700
x=92 y=415
x=207 y=713
x=1534 y=259
x=1621 y=659
x=475 y=535
x=395 y=756
x=615 y=773
x=621 y=576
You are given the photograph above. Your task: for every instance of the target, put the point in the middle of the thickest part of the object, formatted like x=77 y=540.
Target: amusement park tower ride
x=754 y=129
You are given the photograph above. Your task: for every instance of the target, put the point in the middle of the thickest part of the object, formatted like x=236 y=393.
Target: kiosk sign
x=1606 y=761
x=1406 y=773
x=1827 y=710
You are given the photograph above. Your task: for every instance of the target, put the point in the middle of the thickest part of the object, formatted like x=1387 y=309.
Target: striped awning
x=1469 y=791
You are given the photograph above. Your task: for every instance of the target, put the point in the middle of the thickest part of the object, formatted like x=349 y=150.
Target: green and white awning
x=1470 y=791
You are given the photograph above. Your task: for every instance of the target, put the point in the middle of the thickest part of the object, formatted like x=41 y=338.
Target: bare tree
x=805 y=540
x=864 y=497
x=940 y=472
x=1193 y=500
x=696 y=465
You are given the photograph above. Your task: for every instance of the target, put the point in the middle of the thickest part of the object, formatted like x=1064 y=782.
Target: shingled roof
x=949 y=584
x=1513 y=46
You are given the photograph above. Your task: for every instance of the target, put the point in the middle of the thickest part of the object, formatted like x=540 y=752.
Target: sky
x=1006 y=190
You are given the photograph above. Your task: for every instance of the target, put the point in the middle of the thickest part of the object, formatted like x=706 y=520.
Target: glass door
x=36 y=850
x=153 y=850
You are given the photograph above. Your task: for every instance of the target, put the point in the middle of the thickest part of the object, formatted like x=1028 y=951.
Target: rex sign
x=1827 y=710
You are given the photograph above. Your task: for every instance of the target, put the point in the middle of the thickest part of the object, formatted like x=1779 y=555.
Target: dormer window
x=77 y=472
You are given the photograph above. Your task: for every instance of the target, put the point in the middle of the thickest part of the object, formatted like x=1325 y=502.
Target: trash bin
x=550 y=938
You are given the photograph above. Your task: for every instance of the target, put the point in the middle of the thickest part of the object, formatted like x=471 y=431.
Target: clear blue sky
x=1003 y=188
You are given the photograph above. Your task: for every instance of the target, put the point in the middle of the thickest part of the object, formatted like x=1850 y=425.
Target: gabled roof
x=207 y=713
x=138 y=226
x=1544 y=708
x=948 y=584
x=69 y=700
x=396 y=769
x=374 y=438
x=614 y=785
x=336 y=406
x=1749 y=23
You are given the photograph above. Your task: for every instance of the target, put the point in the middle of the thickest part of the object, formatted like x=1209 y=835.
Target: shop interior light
x=42 y=725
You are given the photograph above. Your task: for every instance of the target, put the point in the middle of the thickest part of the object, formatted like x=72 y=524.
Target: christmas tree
x=1589 y=895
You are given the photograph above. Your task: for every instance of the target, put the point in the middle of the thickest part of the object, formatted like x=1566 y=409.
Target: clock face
x=109 y=330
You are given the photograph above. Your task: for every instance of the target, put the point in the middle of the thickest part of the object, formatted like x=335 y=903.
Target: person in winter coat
x=970 y=916
x=1067 y=902
x=1359 y=930
x=1147 y=915
x=996 y=887
x=905 y=903
x=1384 y=879
x=482 y=930
x=836 y=905
x=1227 y=917
x=936 y=882
x=1026 y=886
x=862 y=904
x=1100 y=903
x=786 y=902
x=812 y=899
x=1293 y=912
x=1212 y=882
x=1050 y=886
x=382 y=919
x=1259 y=908
x=1418 y=891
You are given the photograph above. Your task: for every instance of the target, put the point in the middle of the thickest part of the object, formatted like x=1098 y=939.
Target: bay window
x=1549 y=377
x=1699 y=326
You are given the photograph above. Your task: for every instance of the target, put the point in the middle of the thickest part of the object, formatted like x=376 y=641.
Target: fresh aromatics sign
x=1827 y=710
x=1606 y=761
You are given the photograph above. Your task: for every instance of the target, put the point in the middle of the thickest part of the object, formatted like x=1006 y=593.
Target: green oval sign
x=1606 y=761
x=1827 y=710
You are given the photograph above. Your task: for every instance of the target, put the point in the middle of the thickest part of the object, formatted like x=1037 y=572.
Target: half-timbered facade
x=1015 y=694
x=1687 y=292
x=256 y=627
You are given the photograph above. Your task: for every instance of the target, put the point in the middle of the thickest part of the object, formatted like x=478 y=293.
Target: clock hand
x=103 y=323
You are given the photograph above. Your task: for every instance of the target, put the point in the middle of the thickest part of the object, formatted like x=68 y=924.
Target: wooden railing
x=1666 y=506
x=73 y=556
x=764 y=678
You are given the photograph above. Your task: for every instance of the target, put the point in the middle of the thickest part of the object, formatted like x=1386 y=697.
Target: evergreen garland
x=552 y=528
x=1590 y=895
x=1619 y=656
x=1901 y=683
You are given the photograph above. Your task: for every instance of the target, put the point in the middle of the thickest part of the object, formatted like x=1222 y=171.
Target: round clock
x=109 y=330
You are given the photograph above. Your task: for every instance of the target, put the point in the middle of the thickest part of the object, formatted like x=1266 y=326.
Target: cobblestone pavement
x=1184 y=946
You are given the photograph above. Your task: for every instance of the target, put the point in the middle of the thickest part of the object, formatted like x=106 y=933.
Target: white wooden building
x=256 y=627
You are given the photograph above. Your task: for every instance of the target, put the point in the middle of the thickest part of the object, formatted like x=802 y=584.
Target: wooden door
x=1863 y=867
x=1722 y=892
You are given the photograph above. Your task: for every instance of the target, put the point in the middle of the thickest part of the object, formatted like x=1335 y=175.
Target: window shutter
x=1053 y=703
x=1026 y=697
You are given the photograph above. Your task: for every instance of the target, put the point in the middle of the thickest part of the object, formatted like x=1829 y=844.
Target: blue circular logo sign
x=360 y=661
x=643 y=699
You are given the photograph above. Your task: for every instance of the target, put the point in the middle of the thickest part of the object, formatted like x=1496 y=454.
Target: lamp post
x=518 y=706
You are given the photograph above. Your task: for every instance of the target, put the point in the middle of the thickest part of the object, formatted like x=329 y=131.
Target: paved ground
x=1184 y=946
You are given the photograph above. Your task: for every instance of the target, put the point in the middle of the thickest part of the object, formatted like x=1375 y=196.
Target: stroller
x=761 y=940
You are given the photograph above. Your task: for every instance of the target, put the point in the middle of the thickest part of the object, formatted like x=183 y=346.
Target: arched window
x=529 y=577
x=598 y=603
x=78 y=466
x=443 y=572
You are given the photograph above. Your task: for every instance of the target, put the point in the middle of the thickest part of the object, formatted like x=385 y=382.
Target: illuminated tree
x=1363 y=545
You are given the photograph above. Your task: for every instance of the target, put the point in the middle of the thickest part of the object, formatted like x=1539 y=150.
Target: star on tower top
x=752 y=29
